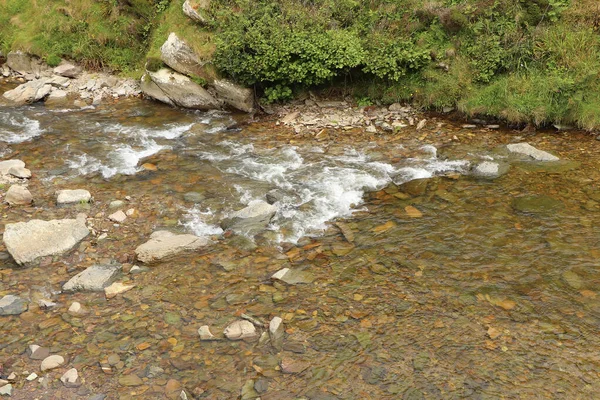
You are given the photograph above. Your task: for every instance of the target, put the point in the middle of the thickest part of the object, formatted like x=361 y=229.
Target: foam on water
x=197 y=222
x=18 y=128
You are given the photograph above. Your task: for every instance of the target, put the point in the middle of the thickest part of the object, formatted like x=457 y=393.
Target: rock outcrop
x=28 y=241
x=164 y=244
x=178 y=55
x=175 y=89
x=236 y=96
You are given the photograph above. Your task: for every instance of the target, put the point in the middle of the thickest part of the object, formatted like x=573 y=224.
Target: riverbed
x=422 y=281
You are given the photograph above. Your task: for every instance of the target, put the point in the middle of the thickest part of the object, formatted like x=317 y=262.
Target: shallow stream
x=426 y=282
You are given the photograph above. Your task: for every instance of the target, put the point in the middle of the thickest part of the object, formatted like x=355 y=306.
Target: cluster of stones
x=65 y=83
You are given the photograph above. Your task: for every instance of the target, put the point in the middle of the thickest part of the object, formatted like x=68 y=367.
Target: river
x=425 y=282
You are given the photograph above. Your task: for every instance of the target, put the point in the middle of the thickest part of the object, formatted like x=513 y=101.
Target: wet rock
x=537 y=204
x=291 y=366
x=68 y=70
x=173 y=389
x=252 y=219
x=115 y=289
x=163 y=244
x=236 y=96
x=261 y=385
x=248 y=392
x=28 y=92
x=170 y=87
x=528 y=150
x=177 y=54
x=240 y=329
x=28 y=241
x=6 y=390
x=6 y=165
x=36 y=352
x=69 y=196
x=118 y=217
x=20 y=172
x=93 y=279
x=573 y=279
x=71 y=378
x=130 y=380
x=196 y=10
x=116 y=204
x=193 y=197
x=18 y=195
x=276 y=332
x=52 y=362
x=293 y=276
x=205 y=333
x=76 y=309
x=490 y=169
x=12 y=305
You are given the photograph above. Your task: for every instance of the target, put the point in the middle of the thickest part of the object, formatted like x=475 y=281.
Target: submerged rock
x=28 y=241
x=252 y=219
x=293 y=276
x=170 y=87
x=276 y=332
x=490 y=169
x=205 y=333
x=18 y=195
x=537 y=204
x=240 y=329
x=52 y=362
x=69 y=196
x=528 y=150
x=93 y=279
x=163 y=244
x=115 y=289
x=12 y=305
x=118 y=216
x=36 y=352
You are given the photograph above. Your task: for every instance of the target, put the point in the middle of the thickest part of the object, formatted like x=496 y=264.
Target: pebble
x=240 y=329
x=205 y=333
x=76 y=309
x=118 y=216
x=6 y=390
x=71 y=378
x=116 y=288
x=36 y=352
x=52 y=362
x=116 y=204
x=130 y=380
x=32 y=376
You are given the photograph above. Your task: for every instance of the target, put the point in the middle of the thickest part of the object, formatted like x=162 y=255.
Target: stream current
x=427 y=282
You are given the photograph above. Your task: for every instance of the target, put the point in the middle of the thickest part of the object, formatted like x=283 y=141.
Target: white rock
x=94 y=278
x=528 y=150
x=69 y=196
x=205 y=333
x=118 y=216
x=163 y=244
x=76 y=309
x=240 y=329
x=280 y=274
x=252 y=219
x=29 y=92
x=116 y=288
x=52 y=362
x=28 y=241
x=6 y=165
x=130 y=212
x=490 y=169
x=18 y=195
x=20 y=172
x=70 y=378
x=276 y=332
x=421 y=124
x=6 y=390
x=43 y=303
x=32 y=376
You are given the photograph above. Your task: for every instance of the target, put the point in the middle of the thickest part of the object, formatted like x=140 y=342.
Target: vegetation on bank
x=526 y=61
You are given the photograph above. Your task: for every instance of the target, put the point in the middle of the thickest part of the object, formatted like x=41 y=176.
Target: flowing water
x=426 y=282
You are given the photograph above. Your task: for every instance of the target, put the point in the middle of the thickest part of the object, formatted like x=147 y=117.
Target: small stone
x=6 y=390
x=94 y=278
x=413 y=212
x=293 y=276
x=36 y=352
x=116 y=288
x=493 y=333
x=76 y=309
x=116 y=204
x=32 y=376
x=43 y=303
x=240 y=329
x=149 y=167
x=130 y=380
x=261 y=385
x=118 y=217
x=193 y=197
x=276 y=332
x=248 y=392
x=20 y=172
x=421 y=124
x=131 y=212
x=205 y=333
x=18 y=195
x=52 y=362
x=68 y=196
x=70 y=378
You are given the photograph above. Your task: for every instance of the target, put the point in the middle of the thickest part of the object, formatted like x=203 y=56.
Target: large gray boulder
x=528 y=150
x=29 y=92
x=164 y=244
x=173 y=88
x=19 y=62
x=196 y=10
x=251 y=219
x=178 y=55
x=92 y=279
x=28 y=241
x=236 y=96
x=68 y=70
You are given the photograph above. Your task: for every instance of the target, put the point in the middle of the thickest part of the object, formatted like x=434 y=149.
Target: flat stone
x=291 y=366
x=293 y=276
x=32 y=376
x=490 y=169
x=251 y=219
x=71 y=378
x=537 y=204
x=28 y=241
x=36 y=352
x=164 y=244
x=18 y=195
x=12 y=305
x=116 y=204
x=130 y=380
x=115 y=289
x=240 y=329
x=94 y=278
x=205 y=333
x=6 y=390
x=28 y=92
x=20 y=172
x=69 y=196
x=276 y=332
x=118 y=216
x=52 y=362
x=193 y=197
x=528 y=150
